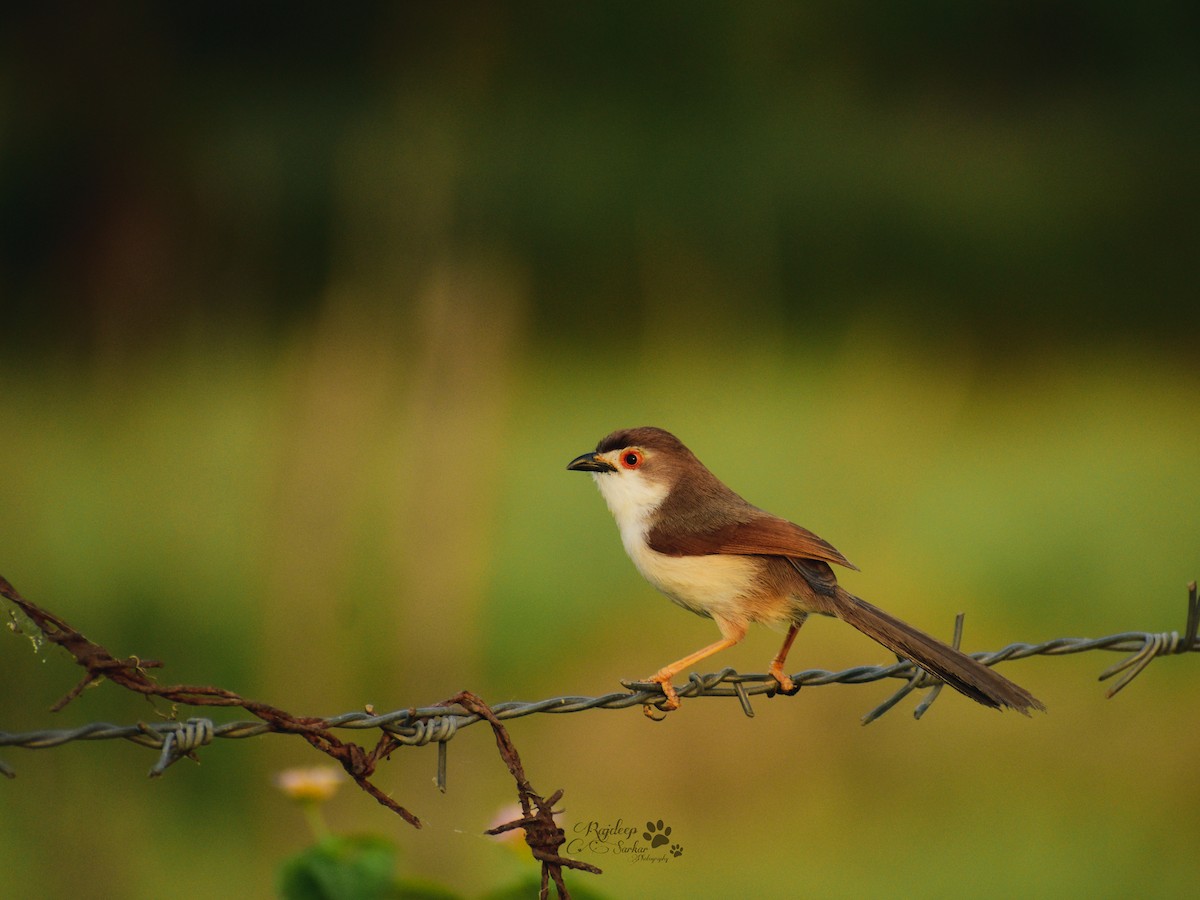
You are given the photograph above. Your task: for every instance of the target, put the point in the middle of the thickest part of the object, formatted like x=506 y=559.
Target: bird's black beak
x=590 y=462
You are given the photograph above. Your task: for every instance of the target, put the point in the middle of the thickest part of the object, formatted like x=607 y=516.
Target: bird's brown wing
x=764 y=536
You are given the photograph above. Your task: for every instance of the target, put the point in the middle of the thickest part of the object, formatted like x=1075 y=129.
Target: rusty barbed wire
x=438 y=724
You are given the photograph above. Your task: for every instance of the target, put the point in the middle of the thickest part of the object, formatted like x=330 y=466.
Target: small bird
x=713 y=553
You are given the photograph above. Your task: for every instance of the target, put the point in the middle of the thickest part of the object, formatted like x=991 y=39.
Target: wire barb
x=180 y=741
x=1193 y=620
x=744 y=699
x=920 y=679
x=440 y=778
x=437 y=729
x=1154 y=645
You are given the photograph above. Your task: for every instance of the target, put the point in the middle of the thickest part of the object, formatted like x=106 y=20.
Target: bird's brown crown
x=647 y=437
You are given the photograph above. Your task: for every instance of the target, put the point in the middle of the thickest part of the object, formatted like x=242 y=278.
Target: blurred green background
x=305 y=309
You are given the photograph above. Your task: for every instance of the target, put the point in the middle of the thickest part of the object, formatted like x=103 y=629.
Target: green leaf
x=360 y=867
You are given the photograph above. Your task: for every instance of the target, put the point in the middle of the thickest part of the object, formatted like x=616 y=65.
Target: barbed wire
x=417 y=726
x=439 y=723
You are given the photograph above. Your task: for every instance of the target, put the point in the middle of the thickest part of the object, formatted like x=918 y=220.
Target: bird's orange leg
x=776 y=671
x=732 y=635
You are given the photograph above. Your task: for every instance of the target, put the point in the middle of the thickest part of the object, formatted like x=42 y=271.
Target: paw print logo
x=657 y=833
x=676 y=850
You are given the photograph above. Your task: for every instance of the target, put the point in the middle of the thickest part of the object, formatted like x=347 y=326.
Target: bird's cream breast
x=713 y=585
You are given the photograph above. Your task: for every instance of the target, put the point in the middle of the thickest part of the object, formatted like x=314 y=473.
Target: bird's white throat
x=632 y=500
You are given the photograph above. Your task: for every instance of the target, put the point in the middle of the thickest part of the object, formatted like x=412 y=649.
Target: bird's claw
x=670 y=701
x=786 y=685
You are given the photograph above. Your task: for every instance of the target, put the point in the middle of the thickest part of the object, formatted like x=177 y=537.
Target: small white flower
x=313 y=785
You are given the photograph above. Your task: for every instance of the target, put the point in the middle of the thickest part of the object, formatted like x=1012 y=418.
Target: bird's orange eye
x=631 y=459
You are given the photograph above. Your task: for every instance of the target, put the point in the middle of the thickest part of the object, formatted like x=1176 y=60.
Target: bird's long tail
x=961 y=672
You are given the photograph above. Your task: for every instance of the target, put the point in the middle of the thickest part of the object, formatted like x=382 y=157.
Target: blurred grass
x=377 y=513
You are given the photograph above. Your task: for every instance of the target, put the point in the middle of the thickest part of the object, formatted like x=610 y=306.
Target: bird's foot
x=786 y=685
x=661 y=680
